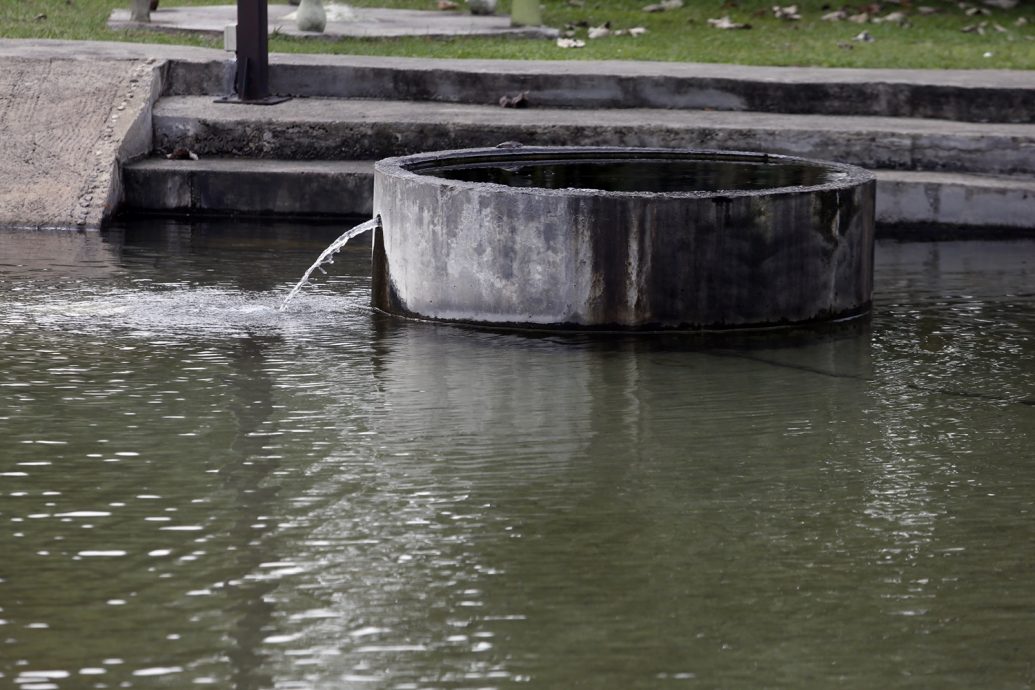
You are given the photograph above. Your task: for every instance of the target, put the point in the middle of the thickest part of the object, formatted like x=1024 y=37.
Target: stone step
x=964 y=95
x=924 y=203
x=250 y=187
x=918 y=201
x=339 y=129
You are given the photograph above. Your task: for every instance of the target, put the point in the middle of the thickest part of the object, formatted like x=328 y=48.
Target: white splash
x=327 y=256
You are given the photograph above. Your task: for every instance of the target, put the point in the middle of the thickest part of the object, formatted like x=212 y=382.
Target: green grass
x=935 y=41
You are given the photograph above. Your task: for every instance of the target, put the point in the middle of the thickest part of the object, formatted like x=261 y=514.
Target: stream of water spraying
x=327 y=256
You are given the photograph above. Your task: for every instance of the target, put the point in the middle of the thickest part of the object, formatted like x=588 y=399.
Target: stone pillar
x=311 y=16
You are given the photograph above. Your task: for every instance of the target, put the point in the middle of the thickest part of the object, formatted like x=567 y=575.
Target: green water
x=197 y=490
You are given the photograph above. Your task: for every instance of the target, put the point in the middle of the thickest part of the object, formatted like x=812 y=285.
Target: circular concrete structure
x=618 y=238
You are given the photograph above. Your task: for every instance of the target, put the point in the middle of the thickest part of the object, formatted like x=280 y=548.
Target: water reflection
x=673 y=470
x=195 y=488
x=701 y=174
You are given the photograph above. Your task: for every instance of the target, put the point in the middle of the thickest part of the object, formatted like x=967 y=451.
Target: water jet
x=621 y=238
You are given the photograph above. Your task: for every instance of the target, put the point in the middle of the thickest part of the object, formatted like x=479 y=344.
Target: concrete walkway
x=342 y=22
x=949 y=147
x=66 y=124
x=350 y=129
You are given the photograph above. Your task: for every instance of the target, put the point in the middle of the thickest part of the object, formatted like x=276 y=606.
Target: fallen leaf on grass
x=600 y=31
x=860 y=18
x=978 y=29
x=1001 y=4
x=788 y=13
x=972 y=11
x=836 y=16
x=864 y=37
x=1021 y=21
x=727 y=23
x=446 y=5
x=570 y=43
x=893 y=18
x=926 y=11
x=664 y=6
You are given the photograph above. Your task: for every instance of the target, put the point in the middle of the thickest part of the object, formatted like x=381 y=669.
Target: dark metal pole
x=252 y=79
x=252 y=50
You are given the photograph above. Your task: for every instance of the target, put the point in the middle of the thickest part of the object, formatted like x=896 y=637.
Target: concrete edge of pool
x=492 y=254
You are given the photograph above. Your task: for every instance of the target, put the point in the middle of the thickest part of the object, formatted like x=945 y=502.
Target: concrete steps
x=907 y=201
x=923 y=202
x=950 y=148
x=963 y=95
x=251 y=187
x=917 y=128
x=340 y=129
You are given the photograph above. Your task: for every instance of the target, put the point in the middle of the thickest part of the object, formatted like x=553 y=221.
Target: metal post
x=140 y=11
x=252 y=48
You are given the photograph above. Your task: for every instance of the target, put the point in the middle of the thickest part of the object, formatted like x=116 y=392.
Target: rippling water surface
x=197 y=489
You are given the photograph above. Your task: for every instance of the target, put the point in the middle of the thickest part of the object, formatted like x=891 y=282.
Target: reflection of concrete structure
x=493 y=394
x=74 y=254
x=470 y=397
x=535 y=498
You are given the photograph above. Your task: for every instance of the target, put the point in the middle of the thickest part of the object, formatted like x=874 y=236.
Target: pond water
x=197 y=489
x=618 y=173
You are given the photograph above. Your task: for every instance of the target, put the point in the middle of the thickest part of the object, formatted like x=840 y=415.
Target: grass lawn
x=1006 y=39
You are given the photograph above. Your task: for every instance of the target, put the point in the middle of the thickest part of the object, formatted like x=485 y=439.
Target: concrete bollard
x=311 y=16
x=483 y=7
x=622 y=239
